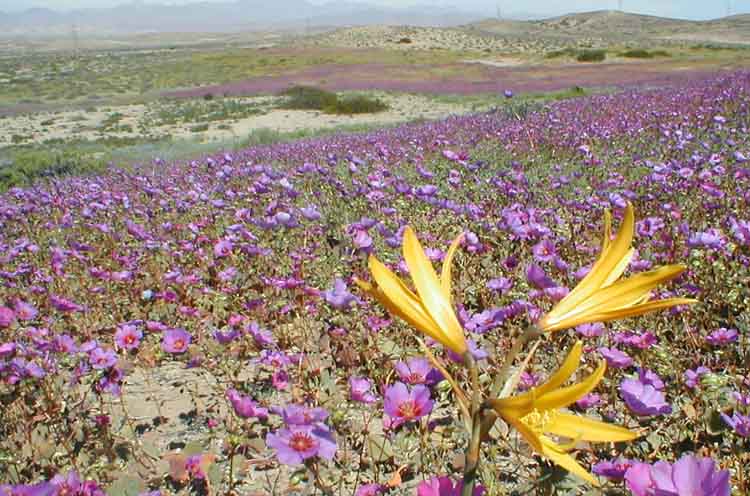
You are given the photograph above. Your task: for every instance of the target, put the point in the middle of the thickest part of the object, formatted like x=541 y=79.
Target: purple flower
x=175 y=340
x=102 y=359
x=647 y=376
x=128 y=337
x=303 y=415
x=297 y=443
x=508 y=94
x=63 y=305
x=226 y=337
x=740 y=423
x=590 y=330
x=722 y=336
x=7 y=317
x=404 y=405
x=692 y=377
x=538 y=278
x=689 y=476
x=544 y=251
x=363 y=241
x=444 y=486
x=418 y=371
x=24 y=311
x=643 y=399
x=244 y=406
x=616 y=358
x=223 y=248
x=501 y=284
x=588 y=401
x=263 y=337
x=612 y=469
x=310 y=212
x=709 y=239
x=359 y=390
x=339 y=297
x=372 y=489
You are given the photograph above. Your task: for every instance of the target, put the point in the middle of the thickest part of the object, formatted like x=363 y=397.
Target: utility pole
x=729 y=8
x=619 y=5
x=499 y=12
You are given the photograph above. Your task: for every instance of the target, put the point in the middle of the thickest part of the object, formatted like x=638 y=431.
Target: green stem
x=532 y=332
x=472 y=450
x=472 y=456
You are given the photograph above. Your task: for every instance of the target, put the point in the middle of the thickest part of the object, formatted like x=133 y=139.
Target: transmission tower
x=729 y=8
x=499 y=12
x=619 y=5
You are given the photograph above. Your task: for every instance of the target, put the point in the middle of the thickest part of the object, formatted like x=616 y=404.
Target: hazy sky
x=693 y=9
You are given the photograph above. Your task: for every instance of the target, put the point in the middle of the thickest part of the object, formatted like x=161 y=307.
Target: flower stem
x=532 y=332
x=472 y=450
x=529 y=334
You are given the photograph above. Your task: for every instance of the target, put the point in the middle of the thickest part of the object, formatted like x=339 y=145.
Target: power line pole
x=619 y=5
x=729 y=8
x=499 y=12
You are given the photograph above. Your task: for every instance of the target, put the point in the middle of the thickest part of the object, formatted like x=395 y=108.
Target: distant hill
x=623 y=26
x=237 y=15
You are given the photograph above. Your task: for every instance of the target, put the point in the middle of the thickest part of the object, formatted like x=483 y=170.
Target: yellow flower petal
x=552 y=451
x=566 y=370
x=640 y=309
x=514 y=406
x=619 y=268
x=585 y=429
x=522 y=403
x=398 y=299
x=604 y=266
x=566 y=396
x=620 y=295
x=526 y=432
x=431 y=293
x=445 y=275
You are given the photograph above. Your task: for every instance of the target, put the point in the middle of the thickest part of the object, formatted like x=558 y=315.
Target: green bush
x=356 y=105
x=591 y=56
x=640 y=53
x=308 y=98
x=311 y=98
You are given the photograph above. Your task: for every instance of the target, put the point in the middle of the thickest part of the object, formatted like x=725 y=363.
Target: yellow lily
x=430 y=310
x=536 y=413
x=601 y=297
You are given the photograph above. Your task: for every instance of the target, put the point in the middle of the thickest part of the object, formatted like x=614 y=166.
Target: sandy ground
x=89 y=125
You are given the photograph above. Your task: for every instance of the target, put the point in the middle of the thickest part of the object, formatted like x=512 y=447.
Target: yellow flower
x=536 y=413
x=430 y=310
x=601 y=297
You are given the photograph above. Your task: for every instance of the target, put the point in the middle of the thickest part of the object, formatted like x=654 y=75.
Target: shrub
x=311 y=98
x=308 y=98
x=356 y=105
x=638 y=53
x=591 y=56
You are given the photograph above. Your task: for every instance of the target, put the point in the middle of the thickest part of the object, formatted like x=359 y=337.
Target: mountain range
x=234 y=15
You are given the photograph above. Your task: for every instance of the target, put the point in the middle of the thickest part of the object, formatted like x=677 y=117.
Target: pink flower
x=444 y=486
x=404 y=405
x=128 y=337
x=175 y=340
x=7 y=317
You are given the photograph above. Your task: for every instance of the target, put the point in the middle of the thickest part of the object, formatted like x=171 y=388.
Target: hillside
x=622 y=26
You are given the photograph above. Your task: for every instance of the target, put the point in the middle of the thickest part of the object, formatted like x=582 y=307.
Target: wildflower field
x=526 y=301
